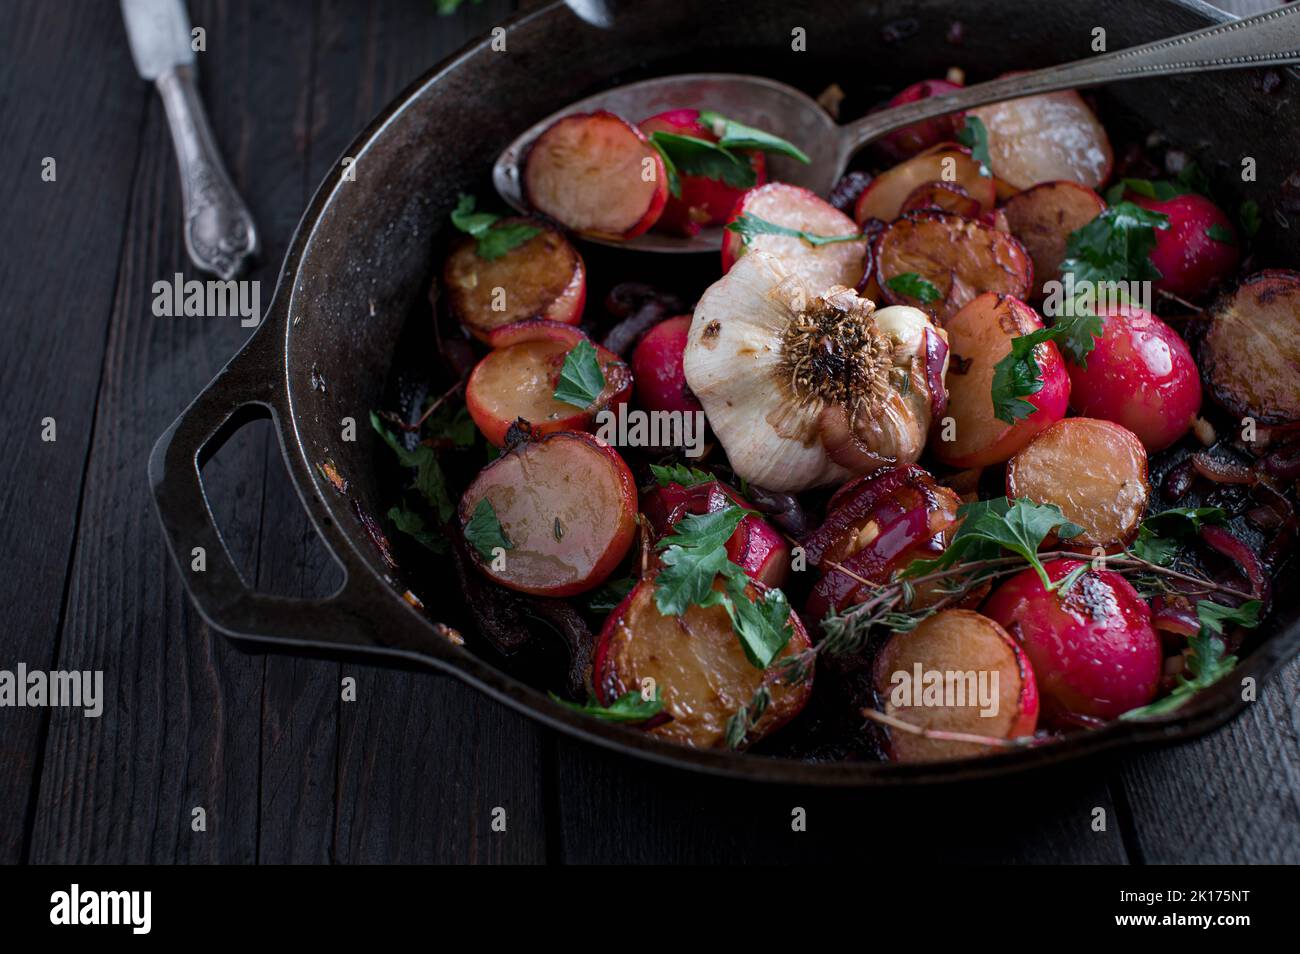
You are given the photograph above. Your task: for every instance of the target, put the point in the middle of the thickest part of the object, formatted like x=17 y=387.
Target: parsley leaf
x=699 y=157
x=1250 y=218
x=670 y=167
x=992 y=526
x=749 y=225
x=694 y=554
x=1221 y=233
x=581 y=379
x=1161 y=535
x=734 y=135
x=763 y=626
x=974 y=135
x=607 y=597
x=629 y=707
x=484 y=531
x=1115 y=246
x=679 y=474
x=429 y=479
x=1018 y=374
x=913 y=285
x=1206 y=662
x=412 y=524
x=494 y=240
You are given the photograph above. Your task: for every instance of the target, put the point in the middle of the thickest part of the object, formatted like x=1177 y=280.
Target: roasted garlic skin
x=806 y=390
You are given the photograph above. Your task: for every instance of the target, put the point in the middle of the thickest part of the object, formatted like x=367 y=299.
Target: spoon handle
x=1265 y=39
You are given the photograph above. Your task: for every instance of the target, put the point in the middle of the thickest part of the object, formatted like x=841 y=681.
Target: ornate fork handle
x=219 y=232
x=1265 y=39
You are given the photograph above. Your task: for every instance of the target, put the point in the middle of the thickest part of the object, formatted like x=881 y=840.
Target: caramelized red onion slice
x=936 y=353
x=1239 y=553
x=1222 y=471
x=843 y=446
x=1174 y=616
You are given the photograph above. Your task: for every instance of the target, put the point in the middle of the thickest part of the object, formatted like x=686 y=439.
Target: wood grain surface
x=414 y=768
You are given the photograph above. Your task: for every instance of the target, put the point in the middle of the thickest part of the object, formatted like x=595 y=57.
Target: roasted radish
x=521 y=379
x=1198 y=251
x=979 y=336
x=1094 y=652
x=908 y=141
x=957 y=672
x=657 y=368
x=542 y=278
x=597 y=174
x=1094 y=471
x=702 y=201
x=756 y=546
x=793 y=208
x=939 y=262
x=942 y=197
x=1043 y=217
x=551 y=517
x=696 y=663
x=1140 y=374
x=1250 y=352
x=1045 y=138
x=885 y=196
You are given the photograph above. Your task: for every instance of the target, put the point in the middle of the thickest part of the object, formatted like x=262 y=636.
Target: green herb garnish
x=1018 y=375
x=974 y=135
x=412 y=524
x=734 y=135
x=429 y=479
x=913 y=285
x=581 y=379
x=679 y=474
x=484 y=531
x=1221 y=233
x=699 y=157
x=1250 y=217
x=1115 y=246
x=606 y=598
x=748 y=226
x=493 y=240
x=629 y=707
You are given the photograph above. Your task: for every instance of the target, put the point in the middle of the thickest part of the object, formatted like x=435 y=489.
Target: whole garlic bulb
x=805 y=390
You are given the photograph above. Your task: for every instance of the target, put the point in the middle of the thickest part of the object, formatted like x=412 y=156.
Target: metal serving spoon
x=1266 y=39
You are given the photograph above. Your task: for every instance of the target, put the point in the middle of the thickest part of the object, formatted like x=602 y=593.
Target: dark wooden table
x=412 y=770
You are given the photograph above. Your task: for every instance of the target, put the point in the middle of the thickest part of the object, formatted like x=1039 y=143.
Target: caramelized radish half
x=908 y=141
x=1094 y=471
x=885 y=196
x=979 y=336
x=703 y=201
x=978 y=680
x=942 y=197
x=957 y=257
x=1044 y=138
x=597 y=174
x=1250 y=351
x=697 y=664
x=1091 y=644
x=565 y=507
x=542 y=278
x=518 y=379
x=839 y=263
x=1043 y=217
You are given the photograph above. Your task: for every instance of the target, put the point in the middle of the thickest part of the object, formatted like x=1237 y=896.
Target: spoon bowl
x=1266 y=39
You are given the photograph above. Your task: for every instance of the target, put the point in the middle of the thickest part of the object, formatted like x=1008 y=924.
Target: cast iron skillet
x=364 y=254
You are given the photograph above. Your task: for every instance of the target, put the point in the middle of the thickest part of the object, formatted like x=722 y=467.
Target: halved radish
x=959 y=257
x=519 y=381
x=793 y=207
x=566 y=506
x=534 y=329
x=1043 y=218
x=979 y=336
x=1044 y=138
x=703 y=201
x=596 y=174
x=957 y=671
x=1250 y=352
x=1094 y=471
x=884 y=197
x=944 y=197
x=696 y=662
x=908 y=141
x=542 y=278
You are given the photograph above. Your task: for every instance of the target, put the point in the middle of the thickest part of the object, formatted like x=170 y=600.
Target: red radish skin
x=698 y=666
x=979 y=336
x=756 y=546
x=1140 y=374
x=908 y=141
x=657 y=368
x=534 y=329
x=885 y=196
x=703 y=201
x=840 y=263
x=543 y=278
x=944 y=197
x=1045 y=138
x=598 y=175
x=1191 y=263
x=1093 y=649
x=567 y=503
x=956 y=642
x=519 y=381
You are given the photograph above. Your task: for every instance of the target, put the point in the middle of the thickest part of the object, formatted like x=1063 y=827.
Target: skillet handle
x=248 y=388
